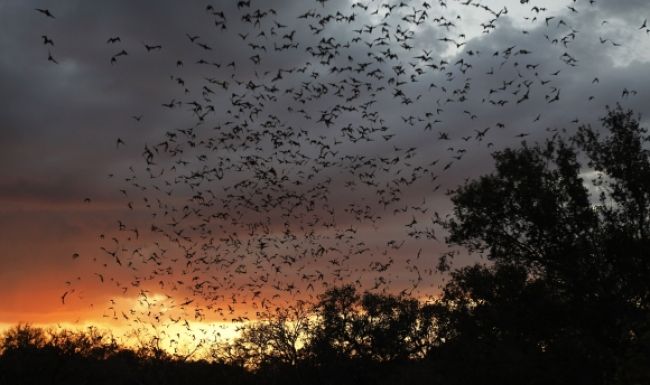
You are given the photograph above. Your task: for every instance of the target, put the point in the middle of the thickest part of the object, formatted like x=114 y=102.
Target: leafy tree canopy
x=565 y=292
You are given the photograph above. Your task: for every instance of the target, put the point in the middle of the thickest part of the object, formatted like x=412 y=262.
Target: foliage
x=564 y=294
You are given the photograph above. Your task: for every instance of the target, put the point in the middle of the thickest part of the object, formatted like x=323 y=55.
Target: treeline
x=31 y=355
x=562 y=295
x=346 y=338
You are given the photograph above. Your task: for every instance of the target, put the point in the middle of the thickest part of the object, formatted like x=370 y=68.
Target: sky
x=303 y=144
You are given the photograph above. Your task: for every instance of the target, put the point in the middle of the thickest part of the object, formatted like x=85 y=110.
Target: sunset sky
x=75 y=131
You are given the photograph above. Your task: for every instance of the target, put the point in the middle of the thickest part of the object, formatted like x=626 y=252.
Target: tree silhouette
x=369 y=338
x=275 y=339
x=337 y=334
x=30 y=355
x=564 y=294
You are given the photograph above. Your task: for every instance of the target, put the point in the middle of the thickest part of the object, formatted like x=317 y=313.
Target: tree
x=376 y=327
x=564 y=293
x=336 y=335
x=393 y=328
x=276 y=339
